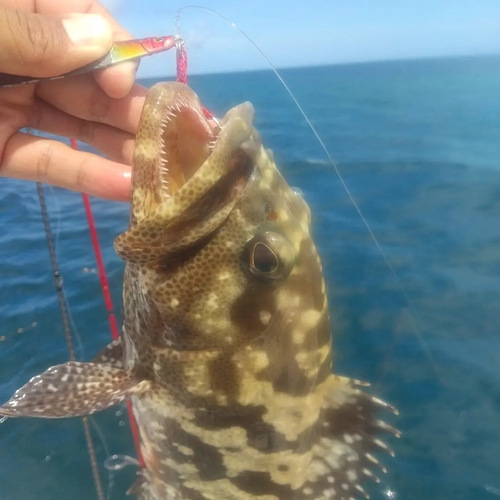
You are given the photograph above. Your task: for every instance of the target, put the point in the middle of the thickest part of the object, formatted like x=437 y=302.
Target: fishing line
x=58 y=282
x=71 y=331
x=55 y=199
x=76 y=333
x=74 y=329
x=412 y=316
x=107 y=451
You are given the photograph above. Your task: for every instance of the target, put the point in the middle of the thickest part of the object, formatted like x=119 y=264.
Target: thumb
x=42 y=46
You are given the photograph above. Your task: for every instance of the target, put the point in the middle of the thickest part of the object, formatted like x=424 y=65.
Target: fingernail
x=89 y=31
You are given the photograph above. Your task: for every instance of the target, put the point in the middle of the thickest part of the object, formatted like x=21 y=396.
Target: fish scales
x=226 y=350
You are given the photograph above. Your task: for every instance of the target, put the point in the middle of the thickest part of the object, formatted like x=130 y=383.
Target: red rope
x=109 y=304
x=182 y=64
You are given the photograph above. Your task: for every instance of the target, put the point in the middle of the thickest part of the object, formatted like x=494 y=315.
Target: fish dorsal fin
x=73 y=389
x=111 y=355
x=342 y=458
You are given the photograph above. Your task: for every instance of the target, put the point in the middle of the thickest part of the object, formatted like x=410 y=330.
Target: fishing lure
x=126 y=50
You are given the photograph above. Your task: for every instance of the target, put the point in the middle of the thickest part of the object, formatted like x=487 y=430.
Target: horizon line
x=322 y=65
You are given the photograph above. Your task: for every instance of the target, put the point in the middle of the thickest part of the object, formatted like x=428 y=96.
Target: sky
x=311 y=32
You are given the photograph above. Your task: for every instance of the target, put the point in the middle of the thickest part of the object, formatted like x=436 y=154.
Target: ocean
x=418 y=145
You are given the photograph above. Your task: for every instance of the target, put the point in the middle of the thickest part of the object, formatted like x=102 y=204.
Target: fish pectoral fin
x=111 y=355
x=73 y=389
x=348 y=438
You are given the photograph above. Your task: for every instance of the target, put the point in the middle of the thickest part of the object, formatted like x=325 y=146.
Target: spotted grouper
x=226 y=349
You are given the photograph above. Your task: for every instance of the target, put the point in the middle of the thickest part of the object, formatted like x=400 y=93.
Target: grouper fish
x=226 y=349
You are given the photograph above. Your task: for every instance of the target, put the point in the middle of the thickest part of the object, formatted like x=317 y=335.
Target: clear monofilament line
x=395 y=276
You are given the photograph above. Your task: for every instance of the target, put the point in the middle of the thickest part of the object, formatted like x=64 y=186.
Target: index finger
x=45 y=160
x=116 y=81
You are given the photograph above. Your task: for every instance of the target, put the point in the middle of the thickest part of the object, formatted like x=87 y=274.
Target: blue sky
x=308 y=32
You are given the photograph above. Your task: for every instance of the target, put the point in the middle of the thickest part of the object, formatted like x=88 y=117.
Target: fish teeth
x=161 y=144
x=170 y=113
x=164 y=184
x=163 y=164
x=183 y=101
x=167 y=117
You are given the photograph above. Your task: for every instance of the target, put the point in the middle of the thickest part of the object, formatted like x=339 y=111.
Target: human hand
x=44 y=38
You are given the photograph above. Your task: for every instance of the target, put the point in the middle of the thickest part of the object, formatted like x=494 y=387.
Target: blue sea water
x=418 y=144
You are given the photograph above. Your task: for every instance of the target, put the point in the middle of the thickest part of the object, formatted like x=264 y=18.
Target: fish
x=226 y=347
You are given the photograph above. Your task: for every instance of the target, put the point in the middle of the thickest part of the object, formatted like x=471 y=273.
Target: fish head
x=221 y=245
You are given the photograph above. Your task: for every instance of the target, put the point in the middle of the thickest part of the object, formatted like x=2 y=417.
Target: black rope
x=58 y=281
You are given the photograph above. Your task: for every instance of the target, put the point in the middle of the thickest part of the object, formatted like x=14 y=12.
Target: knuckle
x=99 y=105
x=43 y=163
x=81 y=177
x=35 y=117
x=86 y=132
x=35 y=38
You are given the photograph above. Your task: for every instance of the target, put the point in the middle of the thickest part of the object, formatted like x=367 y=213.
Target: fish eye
x=269 y=256
x=159 y=39
x=264 y=259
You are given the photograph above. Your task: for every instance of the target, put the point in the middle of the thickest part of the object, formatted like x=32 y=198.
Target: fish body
x=226 y=351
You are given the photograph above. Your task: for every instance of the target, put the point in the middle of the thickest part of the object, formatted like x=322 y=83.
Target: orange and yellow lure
x=126 y=50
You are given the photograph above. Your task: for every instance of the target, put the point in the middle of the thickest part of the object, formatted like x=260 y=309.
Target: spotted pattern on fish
x=227 y=349
x=245 y=404
x=111 y=355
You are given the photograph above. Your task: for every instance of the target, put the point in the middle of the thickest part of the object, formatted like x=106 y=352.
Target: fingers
x=115 y=144
x=43 y=46
x=38 y=159
x=50 y=41
x=92 y=103
x=116 y=81
x=56 y=8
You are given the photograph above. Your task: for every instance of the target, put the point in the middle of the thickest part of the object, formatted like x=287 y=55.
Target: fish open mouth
x=189 y=172
x=187 y=140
